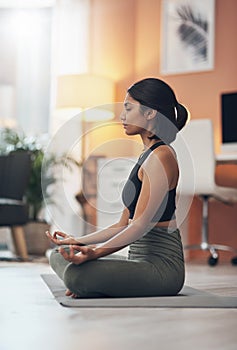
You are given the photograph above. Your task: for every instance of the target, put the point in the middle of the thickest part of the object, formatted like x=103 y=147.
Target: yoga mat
x=187 y=298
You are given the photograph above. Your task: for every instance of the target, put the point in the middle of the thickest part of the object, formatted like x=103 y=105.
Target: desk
x=223 y=158
x=226 y=169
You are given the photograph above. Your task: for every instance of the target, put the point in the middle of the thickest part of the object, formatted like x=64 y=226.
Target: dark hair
x=156 y=94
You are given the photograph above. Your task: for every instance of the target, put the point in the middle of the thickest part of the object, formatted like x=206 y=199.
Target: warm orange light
x=84 y=91
x=92 y=94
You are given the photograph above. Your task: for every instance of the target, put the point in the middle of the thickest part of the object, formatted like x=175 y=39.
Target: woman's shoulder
x=160 y=159
x=163 y=153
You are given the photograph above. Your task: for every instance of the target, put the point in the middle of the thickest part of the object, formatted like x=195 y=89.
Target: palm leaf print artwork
x=193 y=31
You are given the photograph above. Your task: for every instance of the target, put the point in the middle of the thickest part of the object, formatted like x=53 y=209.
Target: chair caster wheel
x=213 y=261
x=234 y=261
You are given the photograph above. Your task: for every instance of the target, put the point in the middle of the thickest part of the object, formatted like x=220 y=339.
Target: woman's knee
x=72 y=278
x=53 y=257
x=57 y=262
x=80 y=280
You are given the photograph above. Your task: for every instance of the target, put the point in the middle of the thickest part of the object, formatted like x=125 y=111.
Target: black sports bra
x=132 y=189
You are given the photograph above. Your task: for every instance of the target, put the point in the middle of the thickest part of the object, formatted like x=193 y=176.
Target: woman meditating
x=155 y=263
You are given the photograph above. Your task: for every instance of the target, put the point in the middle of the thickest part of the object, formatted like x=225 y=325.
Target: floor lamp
x=90 y=94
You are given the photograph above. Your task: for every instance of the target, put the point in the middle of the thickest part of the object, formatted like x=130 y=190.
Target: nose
x=122 y=116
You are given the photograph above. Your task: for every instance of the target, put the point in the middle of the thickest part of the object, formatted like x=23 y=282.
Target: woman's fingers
x=79 y=248
x=71 y=252
x=60 y=234
x=64 y=253
x=55 y=237
x=73 y=256
x=67 y=256
x=48 y=234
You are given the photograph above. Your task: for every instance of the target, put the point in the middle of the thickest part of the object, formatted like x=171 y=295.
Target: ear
x=150 y=114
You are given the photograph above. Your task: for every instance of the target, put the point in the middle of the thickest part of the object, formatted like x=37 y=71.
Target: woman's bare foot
x=68 y=293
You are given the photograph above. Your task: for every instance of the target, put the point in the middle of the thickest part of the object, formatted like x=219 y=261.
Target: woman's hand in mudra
x=61 y=238
x=78 y=254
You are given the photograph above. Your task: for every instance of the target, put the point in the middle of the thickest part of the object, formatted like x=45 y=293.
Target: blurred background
x=49 y=46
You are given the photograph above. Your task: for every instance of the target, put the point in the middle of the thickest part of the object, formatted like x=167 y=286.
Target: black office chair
x=14 y=177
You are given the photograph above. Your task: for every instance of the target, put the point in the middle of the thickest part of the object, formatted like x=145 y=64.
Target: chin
x=131 y=132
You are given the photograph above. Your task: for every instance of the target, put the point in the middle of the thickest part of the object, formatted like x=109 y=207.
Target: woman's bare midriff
x=170 y=224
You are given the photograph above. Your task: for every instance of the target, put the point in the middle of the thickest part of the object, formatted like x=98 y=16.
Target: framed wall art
x=187 y=36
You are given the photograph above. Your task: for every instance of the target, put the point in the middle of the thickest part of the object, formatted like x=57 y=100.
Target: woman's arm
x=61 y=238
x=104 y=235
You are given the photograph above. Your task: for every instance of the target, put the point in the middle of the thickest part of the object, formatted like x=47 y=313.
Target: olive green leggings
x=143 y=273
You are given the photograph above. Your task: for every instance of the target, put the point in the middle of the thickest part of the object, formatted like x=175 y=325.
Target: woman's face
x=134 y=122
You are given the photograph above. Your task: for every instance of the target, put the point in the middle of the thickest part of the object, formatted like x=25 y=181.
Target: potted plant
x=42 y=178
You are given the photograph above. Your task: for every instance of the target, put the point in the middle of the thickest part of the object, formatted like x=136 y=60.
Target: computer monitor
x=229 y=122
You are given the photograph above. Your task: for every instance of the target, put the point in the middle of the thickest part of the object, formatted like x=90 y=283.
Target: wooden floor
x=30 y=318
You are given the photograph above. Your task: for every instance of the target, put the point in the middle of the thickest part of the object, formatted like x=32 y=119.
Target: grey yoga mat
x=187 y=298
